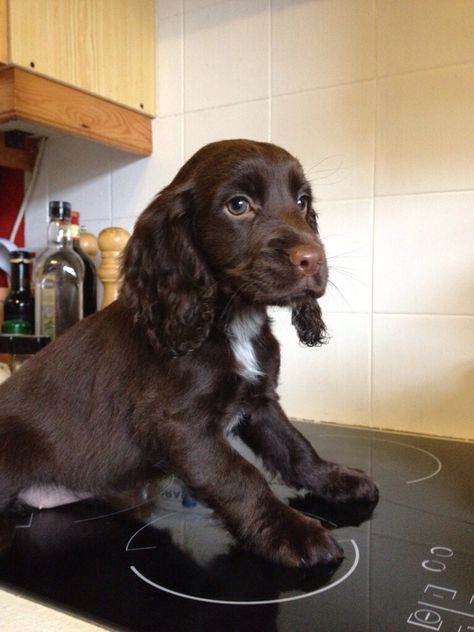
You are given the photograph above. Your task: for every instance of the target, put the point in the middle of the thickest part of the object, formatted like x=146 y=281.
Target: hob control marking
x=440 y=604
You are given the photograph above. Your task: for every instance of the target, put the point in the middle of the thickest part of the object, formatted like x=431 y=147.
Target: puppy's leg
x=241 y=497
x=285 y=451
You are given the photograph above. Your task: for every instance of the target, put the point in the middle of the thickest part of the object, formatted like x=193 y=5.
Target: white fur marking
x=233 y=423
x=242 y=332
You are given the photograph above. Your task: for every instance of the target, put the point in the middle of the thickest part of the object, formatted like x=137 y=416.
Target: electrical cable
x=29 y=191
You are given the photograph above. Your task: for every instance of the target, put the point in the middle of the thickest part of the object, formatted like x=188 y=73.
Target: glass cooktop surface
x=164 y=563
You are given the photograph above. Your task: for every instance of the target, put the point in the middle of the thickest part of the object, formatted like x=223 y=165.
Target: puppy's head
x=255 y=223
x=237 y=221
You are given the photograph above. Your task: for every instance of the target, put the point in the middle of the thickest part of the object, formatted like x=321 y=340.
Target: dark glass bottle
x=90 y=277
x=19 y=303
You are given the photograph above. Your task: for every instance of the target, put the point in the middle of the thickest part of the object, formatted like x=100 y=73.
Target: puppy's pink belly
x=47 y=496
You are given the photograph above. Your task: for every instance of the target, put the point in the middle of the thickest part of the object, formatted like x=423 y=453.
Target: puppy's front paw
x=336 y=483
x=297 y=541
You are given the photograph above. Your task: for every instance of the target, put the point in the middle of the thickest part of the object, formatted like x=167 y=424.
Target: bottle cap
x=74 y=217
x=17 y=327
x=59 y=210
x=16 y=256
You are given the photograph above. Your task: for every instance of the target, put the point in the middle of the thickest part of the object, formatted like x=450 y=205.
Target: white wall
x=376 y=97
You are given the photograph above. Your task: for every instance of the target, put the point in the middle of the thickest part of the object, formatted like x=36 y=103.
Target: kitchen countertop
x=18 y=614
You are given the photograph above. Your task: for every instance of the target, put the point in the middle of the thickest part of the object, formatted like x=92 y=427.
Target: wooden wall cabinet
x=82 y=66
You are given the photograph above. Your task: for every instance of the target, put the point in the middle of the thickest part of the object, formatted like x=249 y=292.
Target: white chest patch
x=243 y=332
x=233 y=423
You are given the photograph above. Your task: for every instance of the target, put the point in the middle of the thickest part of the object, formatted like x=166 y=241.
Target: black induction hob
x=165 y=565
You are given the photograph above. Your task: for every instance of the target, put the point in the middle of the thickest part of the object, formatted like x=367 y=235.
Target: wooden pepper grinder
x=111 y=243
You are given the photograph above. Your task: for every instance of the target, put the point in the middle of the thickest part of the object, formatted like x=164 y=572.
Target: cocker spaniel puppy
x=151 y=385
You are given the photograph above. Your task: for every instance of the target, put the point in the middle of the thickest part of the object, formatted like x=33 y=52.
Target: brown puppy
x=151 y=385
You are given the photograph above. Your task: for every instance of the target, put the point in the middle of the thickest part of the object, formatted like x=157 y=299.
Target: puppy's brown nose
x=307 y=258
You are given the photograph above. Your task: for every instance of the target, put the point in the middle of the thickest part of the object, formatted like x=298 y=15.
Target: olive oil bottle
x=58 y=277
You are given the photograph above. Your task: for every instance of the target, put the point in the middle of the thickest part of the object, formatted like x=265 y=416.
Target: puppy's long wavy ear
x=307 y=320
x=165 y=281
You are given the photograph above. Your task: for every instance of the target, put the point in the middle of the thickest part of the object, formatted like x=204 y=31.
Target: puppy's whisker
x=316 y=168
x=350 y=254
x=349 y=273
x=339 y=292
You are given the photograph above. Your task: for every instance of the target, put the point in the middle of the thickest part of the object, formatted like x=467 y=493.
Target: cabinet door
x=105 y=47
x=4 y=54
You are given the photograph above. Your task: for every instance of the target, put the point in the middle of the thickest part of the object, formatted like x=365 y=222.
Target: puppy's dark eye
x=303 y=202
x=238 y=205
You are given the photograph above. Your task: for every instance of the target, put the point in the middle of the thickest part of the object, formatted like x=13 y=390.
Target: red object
x=12 y=190
x=74 y=217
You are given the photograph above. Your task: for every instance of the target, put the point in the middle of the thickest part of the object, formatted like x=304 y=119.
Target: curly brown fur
x=167 y=284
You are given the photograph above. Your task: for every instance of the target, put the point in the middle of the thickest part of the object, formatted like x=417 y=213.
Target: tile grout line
x=182 y=87
x=269 y=71
x=376 y=77
x=372 y=275
x=372 y=228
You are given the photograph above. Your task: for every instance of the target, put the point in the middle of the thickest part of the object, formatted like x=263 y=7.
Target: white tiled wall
x=376 y=97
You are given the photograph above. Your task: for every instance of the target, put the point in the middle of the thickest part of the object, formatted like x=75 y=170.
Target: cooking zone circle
x=351 y=561
x=428 y=464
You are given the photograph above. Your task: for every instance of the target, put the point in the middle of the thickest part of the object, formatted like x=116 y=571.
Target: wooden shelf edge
x=27 y=97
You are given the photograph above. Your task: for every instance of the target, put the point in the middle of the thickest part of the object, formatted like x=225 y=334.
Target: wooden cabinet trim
x=28 y=97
